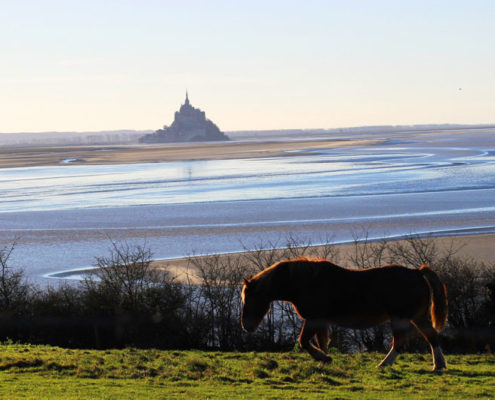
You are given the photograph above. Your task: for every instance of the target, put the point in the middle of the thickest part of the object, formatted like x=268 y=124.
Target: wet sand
x=471 y=247
x=137 y=154
x=475 y=245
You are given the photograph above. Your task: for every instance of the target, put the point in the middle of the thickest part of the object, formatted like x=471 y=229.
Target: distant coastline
x=128 y=136
x=156 y=153
x=37 y=149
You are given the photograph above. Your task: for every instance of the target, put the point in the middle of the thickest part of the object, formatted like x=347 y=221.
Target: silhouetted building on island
x=190 y=125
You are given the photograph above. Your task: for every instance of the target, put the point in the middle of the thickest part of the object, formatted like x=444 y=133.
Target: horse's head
x=255 y=305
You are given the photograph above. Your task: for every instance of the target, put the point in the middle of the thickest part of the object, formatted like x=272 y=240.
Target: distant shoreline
x=137 y=154
x=243 y=144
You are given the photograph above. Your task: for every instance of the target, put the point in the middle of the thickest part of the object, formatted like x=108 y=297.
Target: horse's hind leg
x=323 y=339
x=309 y=330
x=424 y=327
x=401 y=330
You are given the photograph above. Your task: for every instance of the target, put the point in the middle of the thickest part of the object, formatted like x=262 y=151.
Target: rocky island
x=190 y=125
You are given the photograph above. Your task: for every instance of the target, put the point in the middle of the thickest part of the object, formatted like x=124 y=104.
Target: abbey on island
x=190 y=125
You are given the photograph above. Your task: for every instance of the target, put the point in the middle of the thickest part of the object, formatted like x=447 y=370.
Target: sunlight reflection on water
x=65 y=214
x=375 y=171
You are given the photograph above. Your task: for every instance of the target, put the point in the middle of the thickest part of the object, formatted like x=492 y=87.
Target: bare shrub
x=296 y=247
x=262 y=255
x=14 y=290
x=326 y=250
x=219 y=297
x=490 y=304
x=125 y=276
x=467 y=285
x=415 y=251
x=132 y=300
x=127 y=301
x=368 y=253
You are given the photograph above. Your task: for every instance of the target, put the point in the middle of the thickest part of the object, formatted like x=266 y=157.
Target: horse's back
x=375 y=294
x=389 y=277
x=401 y=290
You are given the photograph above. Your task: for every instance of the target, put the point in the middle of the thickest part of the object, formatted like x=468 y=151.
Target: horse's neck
x=268 y=286
x=275 y=285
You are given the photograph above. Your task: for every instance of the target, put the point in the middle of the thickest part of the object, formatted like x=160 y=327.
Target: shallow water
x=65 y=215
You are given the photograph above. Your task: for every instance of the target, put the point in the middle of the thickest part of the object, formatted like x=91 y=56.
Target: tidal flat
x=225 y=200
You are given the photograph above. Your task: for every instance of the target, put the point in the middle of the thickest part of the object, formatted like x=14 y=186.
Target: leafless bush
x=467 y=285
x=218 y=297
x=368 y=253
x=490 y=306
x=415 y=251
x=127 y=301
x=14 y=290
x=262 y=255
x=326 y=250
x=125 y=277
x=296 y=247
x=131 y=300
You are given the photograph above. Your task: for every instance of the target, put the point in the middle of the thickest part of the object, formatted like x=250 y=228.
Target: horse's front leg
x=309 y=329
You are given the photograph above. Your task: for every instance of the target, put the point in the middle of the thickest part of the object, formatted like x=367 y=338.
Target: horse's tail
x=439 y=303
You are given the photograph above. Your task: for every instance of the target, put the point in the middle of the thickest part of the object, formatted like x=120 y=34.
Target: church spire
x=187 y=99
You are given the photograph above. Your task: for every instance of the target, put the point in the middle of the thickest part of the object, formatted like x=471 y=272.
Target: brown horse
x=323 y=293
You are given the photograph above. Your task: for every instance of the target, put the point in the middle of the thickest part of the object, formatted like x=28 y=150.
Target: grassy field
x=43 y=372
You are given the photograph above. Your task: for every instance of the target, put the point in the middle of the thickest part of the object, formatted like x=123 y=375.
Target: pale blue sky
x=100 y=64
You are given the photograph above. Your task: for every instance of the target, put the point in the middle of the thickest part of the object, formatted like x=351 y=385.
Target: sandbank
x=479 y=248
x=157 y=153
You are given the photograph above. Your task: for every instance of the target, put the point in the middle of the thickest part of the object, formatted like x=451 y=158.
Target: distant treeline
x=127 y=302
x=27 y=139
x=369 y=129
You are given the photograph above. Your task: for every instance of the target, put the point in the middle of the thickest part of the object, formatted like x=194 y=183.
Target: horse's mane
x=297 y=268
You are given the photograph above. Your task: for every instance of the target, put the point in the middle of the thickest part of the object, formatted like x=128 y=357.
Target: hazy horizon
x=97 y=65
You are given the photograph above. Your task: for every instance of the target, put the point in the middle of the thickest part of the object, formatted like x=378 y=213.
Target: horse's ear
x=245 y=281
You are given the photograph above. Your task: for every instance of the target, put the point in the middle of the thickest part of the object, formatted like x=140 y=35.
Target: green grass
x=43 y=372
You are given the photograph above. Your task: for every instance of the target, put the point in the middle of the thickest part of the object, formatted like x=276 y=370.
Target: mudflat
x=477 y=246
x=156 y=153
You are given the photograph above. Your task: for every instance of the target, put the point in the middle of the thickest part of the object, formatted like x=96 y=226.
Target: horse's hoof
x=385 y=363
x=326 y=360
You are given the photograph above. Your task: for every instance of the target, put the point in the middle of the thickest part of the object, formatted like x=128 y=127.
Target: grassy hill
x=44 y=372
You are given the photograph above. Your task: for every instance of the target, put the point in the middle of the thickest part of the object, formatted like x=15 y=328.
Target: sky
x=84 y=65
